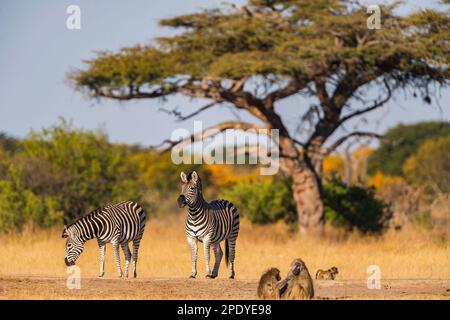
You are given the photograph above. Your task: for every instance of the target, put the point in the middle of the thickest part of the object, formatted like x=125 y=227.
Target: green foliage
x=354 y=207
x=254 y=55
x=159 y=173
x=401 y=142
x=297 y=40
x=8 y=143
x=430 y=165
x=19 y=206
x=263 y=202
x=65 y=173
x=345 y=207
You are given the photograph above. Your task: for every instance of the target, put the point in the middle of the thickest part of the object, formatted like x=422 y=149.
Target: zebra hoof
x=191 y=277
x=209 y=276
x=231 y=277
x=101 y=275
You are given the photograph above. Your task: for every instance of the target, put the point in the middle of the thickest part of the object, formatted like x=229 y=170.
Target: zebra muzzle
x=181 y=201
x=69 y=263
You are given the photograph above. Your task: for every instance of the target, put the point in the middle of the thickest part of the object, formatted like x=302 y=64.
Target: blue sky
x=37 y=50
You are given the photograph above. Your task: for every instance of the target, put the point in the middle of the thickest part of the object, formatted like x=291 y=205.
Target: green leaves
x=401 y=142
x=135 y=66
x=430 y=166
x=354 y=207
x=299 y=39
x=61 y=174
x=264 y=202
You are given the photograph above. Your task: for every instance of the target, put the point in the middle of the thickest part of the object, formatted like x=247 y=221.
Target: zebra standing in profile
x=210 y=223
x=117 y=224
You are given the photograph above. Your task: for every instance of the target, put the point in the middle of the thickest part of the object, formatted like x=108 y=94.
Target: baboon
x=329 y=274
x=298 y=284
x=268 y=288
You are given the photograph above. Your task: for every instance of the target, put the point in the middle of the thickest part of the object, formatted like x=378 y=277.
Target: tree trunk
x=307 y=192
x=306 y=173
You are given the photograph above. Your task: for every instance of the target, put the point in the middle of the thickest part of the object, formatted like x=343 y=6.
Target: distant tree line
x=60 y=173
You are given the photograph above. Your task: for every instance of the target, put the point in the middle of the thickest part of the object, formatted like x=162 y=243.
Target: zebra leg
x=136 y=243
x=117 y=258
x=206 y=249
x=218 y=255
x=127 y=253
x=232 y=250
x=194 y=250
x=102 y=247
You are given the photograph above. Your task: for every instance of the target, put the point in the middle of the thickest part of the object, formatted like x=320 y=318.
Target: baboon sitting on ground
x=329 y=274
x=298 y=284
x=268 y=288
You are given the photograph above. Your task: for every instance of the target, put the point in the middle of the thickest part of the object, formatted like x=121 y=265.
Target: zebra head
x=191 y=189
x=74 y=246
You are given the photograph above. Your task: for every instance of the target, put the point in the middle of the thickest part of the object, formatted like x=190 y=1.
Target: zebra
x=210 y=223
x=117 y=224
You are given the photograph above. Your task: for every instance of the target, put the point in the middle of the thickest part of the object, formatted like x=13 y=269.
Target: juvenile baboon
x=298 y=284
x=329 y=274
x=268 y=285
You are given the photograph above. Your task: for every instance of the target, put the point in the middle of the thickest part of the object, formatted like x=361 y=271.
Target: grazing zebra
x=209 y=223
x=118 y=224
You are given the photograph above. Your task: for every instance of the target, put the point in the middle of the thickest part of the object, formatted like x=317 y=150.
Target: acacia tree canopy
x=281 y=41
x=254 y=55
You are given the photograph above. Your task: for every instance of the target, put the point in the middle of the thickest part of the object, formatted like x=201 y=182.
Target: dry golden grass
x=164 y=253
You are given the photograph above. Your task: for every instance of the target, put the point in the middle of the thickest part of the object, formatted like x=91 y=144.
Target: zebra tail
x=227 y=252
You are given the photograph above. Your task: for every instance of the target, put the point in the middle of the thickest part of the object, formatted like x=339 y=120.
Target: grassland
x=413 y=254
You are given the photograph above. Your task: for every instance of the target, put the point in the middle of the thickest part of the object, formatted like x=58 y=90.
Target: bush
x=19 y=206
x=430 y=166
x=8 y=143
x=264 y=202
x=401 y=142
x=354 y=207
x=61 y=174
x=345 y=207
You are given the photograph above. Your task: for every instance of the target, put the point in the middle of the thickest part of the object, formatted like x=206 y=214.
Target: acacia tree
x=253 y=56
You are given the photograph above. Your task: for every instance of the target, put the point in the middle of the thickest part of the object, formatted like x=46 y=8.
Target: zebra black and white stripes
x=210 y=223
x=117 y=224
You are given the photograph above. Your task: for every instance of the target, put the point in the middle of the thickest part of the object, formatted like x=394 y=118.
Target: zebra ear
x=194 y=176
x=65 y=234
x=183 y=177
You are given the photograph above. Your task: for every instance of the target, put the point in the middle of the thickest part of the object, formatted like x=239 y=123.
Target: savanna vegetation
x=253 y=56
x=387 y=205
x=61 y=173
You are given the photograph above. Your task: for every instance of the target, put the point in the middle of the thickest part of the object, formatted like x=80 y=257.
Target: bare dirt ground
x=45 y=287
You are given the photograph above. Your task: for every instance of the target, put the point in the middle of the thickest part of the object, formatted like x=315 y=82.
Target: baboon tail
x=227 y=252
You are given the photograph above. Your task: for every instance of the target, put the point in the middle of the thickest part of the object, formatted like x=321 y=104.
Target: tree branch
x=180 y=117
x=293 y=87
x=209 y=132
x=130 y=96
x=133 y=93
x=376 y=105
x=341 y=140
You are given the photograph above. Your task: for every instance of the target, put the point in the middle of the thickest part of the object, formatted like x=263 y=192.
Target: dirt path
x=44 y=287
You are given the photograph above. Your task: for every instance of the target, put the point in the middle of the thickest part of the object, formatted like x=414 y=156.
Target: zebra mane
x=99 y=209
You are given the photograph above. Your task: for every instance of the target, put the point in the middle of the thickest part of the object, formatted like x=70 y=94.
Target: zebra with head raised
x=117 y=224
x=210 y=223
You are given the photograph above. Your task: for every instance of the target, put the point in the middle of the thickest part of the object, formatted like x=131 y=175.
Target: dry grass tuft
x=164 y=253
